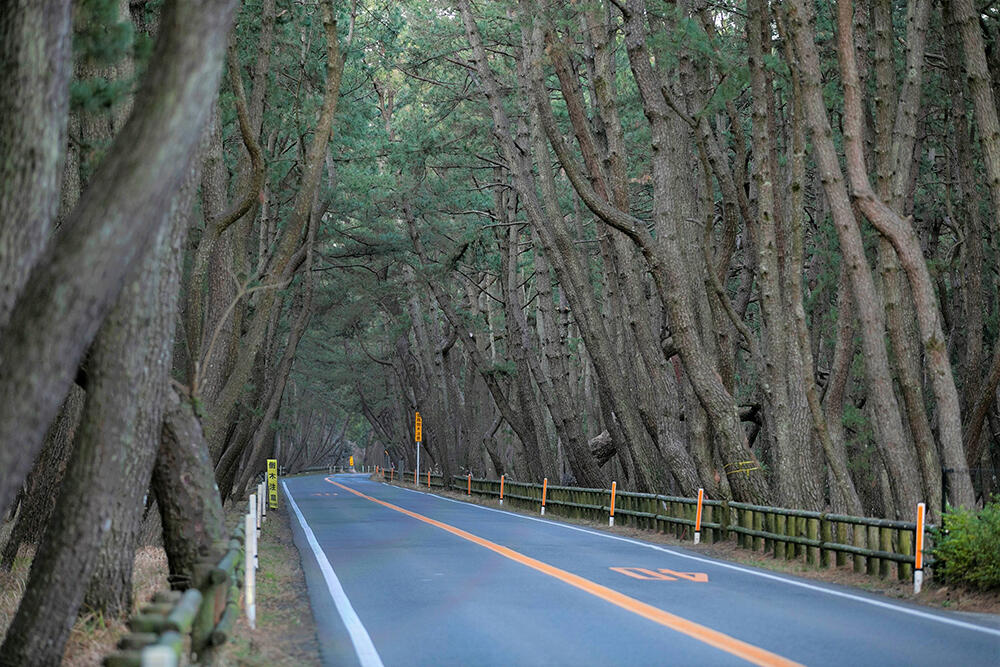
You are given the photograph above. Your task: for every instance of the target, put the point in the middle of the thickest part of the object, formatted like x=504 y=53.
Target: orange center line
x=723 y=642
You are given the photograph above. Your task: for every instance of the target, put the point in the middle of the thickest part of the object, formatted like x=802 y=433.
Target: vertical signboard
x=272 y=483
x=418 y=433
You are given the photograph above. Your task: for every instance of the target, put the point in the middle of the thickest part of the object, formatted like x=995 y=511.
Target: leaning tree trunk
x=95 y=525
x=194 y=527
x=134 y=351
x=966 y=17
x=216 y=422
x=887 y=421
x=76 y=282
x=35 y=69
x=45 y=479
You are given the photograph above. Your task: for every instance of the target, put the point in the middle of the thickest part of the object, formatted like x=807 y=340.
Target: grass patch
x=286 y=632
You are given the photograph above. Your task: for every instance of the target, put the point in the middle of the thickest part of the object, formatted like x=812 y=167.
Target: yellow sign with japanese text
x=272 y=483
x=418 y=428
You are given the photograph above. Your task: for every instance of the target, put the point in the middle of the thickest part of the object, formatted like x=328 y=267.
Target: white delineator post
x=697 y=517
x=252 y=537
x=249 y=594
x=614 y=488
x=918 y=551
x=545 y=487
x=263 y=502
x=260 y=506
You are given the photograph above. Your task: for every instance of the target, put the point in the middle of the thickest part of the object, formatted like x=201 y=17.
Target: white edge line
x=363 y=645
x=757 y=573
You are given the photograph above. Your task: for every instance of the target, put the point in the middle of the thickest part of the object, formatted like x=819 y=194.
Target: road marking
x=714 y=638
x=663 y=574
x=765 y=575
x=363 y=645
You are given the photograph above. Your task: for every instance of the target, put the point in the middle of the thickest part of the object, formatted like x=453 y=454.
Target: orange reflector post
x=697 y=517
x=545 y=487
x=501 y=488
x=428 y=479
x=920 y=537
x=918 y=565
x=391 y=473
x=415 y=482
x=611 y=519
x=470 y=484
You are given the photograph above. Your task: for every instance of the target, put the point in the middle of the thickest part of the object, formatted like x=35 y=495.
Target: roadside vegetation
x=967 y=548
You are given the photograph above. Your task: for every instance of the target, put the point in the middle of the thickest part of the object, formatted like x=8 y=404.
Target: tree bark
x=901 y=235
x=78 y=279
x=131 y=359
x=887 y=423
x=194 y=529
x=42 y=485
x=218 y=417
x=35 y=71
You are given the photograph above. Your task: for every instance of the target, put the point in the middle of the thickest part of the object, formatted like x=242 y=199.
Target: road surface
x=399 y=577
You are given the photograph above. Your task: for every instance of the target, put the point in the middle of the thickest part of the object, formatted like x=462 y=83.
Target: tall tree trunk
x=79 y=277
x=94 y=527
x=904 y=241
x=35 y=70
x=194 y=529
x=42 y=485
x=279 y=267
x=966 y=17
x=131 y=358
x=887 y=422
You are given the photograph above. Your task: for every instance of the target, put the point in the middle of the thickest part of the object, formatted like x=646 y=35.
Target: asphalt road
x=399 y=577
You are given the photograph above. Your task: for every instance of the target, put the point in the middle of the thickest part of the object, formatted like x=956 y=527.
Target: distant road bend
x=400 y=577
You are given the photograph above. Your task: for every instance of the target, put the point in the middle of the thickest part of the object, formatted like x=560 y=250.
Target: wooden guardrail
x=874 y=546
x=425 y=479
x=159 y=632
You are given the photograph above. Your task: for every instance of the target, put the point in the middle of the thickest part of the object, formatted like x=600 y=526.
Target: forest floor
x=93 y=636
x=933 y=595
x=285 y=635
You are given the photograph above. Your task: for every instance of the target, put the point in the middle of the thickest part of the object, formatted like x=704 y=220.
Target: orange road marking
x=714 y=638
x=699 y=577
x=642 y=573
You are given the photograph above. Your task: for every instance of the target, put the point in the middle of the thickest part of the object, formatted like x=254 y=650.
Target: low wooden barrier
x=198 y=619
x=880 y=547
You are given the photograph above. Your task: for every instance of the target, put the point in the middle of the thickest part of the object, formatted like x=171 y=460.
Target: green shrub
x=968 y=551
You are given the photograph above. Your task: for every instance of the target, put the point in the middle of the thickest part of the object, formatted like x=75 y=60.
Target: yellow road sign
x=418 y=428
x=272 y=483
x=352 y=461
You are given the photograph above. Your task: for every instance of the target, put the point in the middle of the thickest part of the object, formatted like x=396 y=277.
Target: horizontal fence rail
x=880 y=547
x=198 y=619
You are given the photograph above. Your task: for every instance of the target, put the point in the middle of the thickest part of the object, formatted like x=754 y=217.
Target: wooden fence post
x=780 y=545
x=812 y=532
x=724 y=520
x=885 y=544
x=905 y=570
x=826 y=535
